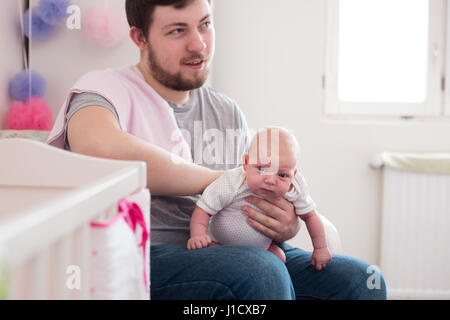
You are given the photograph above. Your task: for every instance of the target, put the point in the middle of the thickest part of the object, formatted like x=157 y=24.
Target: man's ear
x=138 y=37
x=245 y=161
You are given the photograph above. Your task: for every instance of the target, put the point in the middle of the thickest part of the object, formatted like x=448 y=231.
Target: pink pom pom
x=41 y=113
x=18 y=117
x=105 y=26
x=34 y=114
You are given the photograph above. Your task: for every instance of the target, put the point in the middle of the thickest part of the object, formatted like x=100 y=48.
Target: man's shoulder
x=221 y=106
x=105 y=75
x=99 y=72
x=218 y=99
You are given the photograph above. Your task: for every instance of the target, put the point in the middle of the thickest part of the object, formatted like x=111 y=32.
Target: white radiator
x=415 y=230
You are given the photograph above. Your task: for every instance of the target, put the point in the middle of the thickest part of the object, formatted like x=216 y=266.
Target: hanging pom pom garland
x=41 y=114
x=53 y=12
x=45 y=18
x=38 y=30
x=34 y=114
x=18 y=117
x=30 y=111
x=105 y=25
x=19 y=86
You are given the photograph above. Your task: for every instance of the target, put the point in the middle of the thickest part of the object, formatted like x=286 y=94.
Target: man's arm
x=94 y=131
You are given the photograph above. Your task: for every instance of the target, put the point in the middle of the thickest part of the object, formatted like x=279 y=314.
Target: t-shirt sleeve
x=303 y=203
x=221 y=192
x=83 y=100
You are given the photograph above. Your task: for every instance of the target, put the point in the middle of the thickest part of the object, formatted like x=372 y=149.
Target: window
x=386 y=57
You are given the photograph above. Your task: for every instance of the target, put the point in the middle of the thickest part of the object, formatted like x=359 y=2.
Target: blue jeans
x=247 y=273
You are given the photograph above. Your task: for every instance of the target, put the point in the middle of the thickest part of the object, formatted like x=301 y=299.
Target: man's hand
x=276 y=220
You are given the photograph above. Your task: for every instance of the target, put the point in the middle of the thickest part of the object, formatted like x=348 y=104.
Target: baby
x=268 y=171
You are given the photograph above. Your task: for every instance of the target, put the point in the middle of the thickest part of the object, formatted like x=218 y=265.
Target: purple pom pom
x=19 y=86
x=39 y=28
x=52 y=11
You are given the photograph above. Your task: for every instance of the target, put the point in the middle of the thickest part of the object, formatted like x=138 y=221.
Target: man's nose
x=196 y=42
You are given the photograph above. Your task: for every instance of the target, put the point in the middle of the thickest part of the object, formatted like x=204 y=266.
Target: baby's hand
x=198 y=242
x=320 y=258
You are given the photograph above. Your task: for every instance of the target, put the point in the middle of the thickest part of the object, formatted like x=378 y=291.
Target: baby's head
x=271 y=162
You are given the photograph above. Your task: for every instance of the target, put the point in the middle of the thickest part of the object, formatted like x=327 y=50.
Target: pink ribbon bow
x=133 y=216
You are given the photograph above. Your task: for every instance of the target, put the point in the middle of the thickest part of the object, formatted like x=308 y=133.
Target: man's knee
x=359 y=280
x=374 y=287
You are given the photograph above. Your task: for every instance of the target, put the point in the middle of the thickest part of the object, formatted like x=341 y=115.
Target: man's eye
x=176 y=31
x=207 y=24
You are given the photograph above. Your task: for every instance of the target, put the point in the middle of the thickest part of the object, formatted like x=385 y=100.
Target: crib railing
x=57 y=271
x=45 y=247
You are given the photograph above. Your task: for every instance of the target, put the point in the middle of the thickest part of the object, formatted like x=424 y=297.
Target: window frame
x=446 y=73
x=433 y=105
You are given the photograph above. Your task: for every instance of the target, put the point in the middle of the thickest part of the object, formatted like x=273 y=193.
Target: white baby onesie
x=224 y=199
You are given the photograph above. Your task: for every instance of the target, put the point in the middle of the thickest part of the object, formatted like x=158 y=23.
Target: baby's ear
x=245 y=161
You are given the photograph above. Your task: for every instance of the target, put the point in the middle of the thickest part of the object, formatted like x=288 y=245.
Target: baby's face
x=270 y=181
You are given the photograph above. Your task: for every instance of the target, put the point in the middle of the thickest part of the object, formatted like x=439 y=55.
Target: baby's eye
x=261 y=169
x=282 y=175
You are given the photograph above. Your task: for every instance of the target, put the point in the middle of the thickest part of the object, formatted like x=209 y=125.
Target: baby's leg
x=276 y=250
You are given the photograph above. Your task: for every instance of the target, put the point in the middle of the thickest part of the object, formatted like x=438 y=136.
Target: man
x=117 y=113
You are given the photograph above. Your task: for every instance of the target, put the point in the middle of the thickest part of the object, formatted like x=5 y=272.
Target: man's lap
x=218 y=272
x=237 y=272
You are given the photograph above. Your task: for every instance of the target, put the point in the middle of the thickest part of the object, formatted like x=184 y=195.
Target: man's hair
x=140 y=12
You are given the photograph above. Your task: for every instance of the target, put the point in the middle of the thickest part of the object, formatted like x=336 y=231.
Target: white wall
x=11 y=61
x=67 y=55
x=270 y=59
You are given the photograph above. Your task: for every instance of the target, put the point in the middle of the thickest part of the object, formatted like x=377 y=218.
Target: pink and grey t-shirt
x=212 y=125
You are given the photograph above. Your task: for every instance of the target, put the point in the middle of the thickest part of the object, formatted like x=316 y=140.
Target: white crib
x=48 y=197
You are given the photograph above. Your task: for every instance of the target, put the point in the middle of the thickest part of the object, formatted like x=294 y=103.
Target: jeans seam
x=307 y=295
x=199 y=281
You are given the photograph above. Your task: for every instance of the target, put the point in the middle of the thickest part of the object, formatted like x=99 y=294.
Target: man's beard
x=174 y=81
